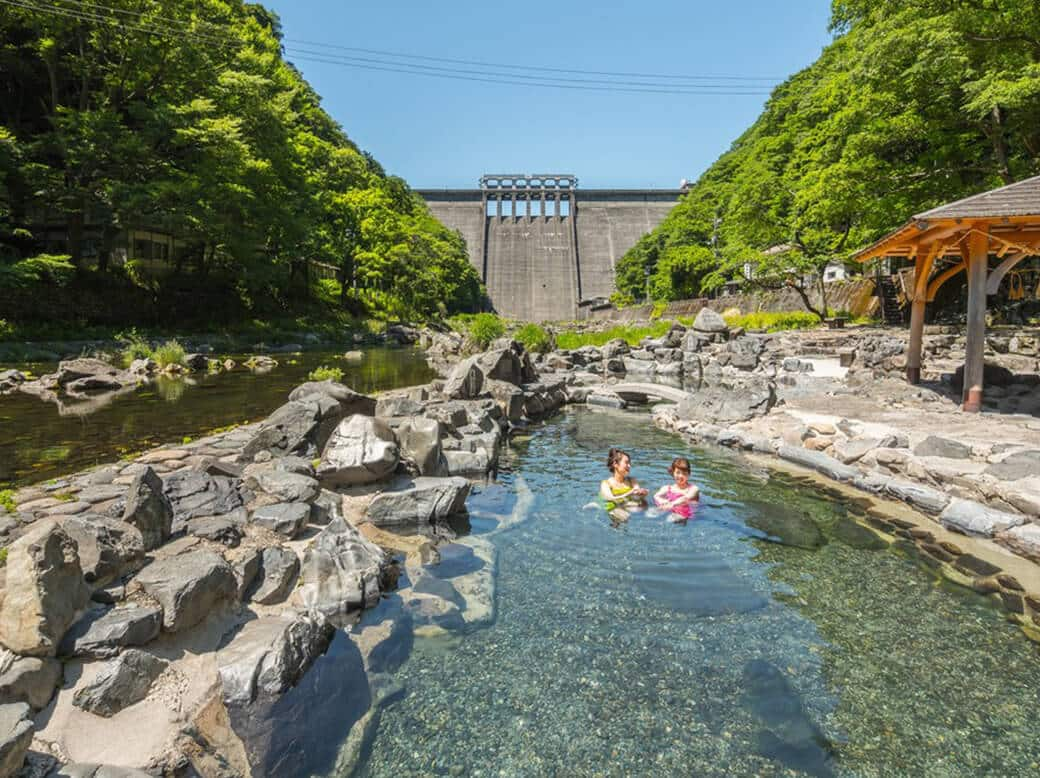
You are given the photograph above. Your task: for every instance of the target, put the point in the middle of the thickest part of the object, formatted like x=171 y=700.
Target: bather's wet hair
x=614 y=456
x=681 y=464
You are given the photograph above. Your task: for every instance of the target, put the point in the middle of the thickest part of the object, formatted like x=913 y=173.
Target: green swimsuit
x=616 y=492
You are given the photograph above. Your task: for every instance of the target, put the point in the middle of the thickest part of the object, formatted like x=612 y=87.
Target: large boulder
x=193 y=494
x=420 y=444
x=108 y=548
x=288 y=487
x=71 y=370
x=466 y=380
x=283 y=518
x=361 y=450
x=28 y=679
x=104 y=633
x=418 y=501
x=971 y=518
x=16 y=731
x=298 y=427
x=189 y=586
x=270 y=654
x=350 y=402
x=121 y=682
x=149 y=508
x=502 y=365
x=510 y=398
x=1016 y=466
x=709 y=321
x=43 y=590
x=729 y=404
x=341 y=571
x=279 y=567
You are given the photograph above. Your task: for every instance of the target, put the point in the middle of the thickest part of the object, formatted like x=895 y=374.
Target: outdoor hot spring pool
x=699 y=649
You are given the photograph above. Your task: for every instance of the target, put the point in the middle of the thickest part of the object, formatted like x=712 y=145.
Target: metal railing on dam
x=541 y=244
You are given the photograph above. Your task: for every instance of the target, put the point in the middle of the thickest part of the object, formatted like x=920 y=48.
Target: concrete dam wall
x=541 y=245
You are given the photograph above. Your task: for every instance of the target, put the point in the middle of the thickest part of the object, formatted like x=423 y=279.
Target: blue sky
x=438 y=132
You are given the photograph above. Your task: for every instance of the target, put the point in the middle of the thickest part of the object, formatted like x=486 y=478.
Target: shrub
x=627 y=332
x=325 y=373
x=774 y=322
x=134 y=346
x=7 y=500
x=658 y=310
x=3 y=556
x=6 y=330
x=534 y=338
x=486 y=327
x=47 y=268
x=169 y=353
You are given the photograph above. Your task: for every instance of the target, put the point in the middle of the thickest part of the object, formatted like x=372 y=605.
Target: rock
x=849 y=451
x=108 y=548
x=614 y=348
x=419 y=440
x=853 y=534
x=817 y=460
x=298 y=427
x=510 y=398
x=709 y=321
x=361 y=450
x=927 y=499
x=226 y=529
x=94 y=383
x=284 y=518
x=935 y=446
x=501 y=365
x=1016 y=466
x=340 y=571
x=279 y=567
x=71 y=370
x=289 y=487
x=193 y=494
x=143 y=367
x=992 y=375
x=270 y=655
x=466 y=462
x=605 y=398
x=28 y=679
x=16 y=732
x=121 y=682
x=43 y=590
x=104 y=633
x=1023 y=494
x=149 y=508
x=198 y=363
x=1024 y=540
x=466 y=380
x=400 y=404
x=350 y=402
x=189 y=586
x=418 y=501
x=971 y=518
x=723 y=404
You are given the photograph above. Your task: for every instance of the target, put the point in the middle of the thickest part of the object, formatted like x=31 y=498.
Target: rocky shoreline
x=221 y=607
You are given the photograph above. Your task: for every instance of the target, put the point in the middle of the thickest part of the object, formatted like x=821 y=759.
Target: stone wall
x=856 y=296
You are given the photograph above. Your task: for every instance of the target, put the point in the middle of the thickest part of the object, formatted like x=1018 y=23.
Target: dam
x=544 y=248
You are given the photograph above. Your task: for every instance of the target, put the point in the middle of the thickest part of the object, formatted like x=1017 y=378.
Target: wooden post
x=975 y=342
x=913 y=349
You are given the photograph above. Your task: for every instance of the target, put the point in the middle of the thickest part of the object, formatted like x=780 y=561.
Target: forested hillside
x=183 y=119
x=915 y=103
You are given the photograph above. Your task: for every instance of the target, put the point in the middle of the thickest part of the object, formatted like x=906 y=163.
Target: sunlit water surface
x=652 y=648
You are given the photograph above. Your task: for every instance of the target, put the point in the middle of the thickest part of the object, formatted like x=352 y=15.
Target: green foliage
x=485 y=328
x=3 y=556
x=325 y=373
x=658 y=310
x=47 y=269
x=134 y=346
x=6 y=330
x=631 y=334
x=169 y=353
x=774 y=322
x=7 y=500
x=913 y=104
x=534 y=338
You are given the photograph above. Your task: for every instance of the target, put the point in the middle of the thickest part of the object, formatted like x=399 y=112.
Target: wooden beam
x=923 y=269
x=996 y=275
x=975 y=340
x=941 y=279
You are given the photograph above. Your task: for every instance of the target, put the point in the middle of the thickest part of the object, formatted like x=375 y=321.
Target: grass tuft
x=325 y=373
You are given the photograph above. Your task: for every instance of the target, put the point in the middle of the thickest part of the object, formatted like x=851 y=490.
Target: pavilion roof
x=1012 y=210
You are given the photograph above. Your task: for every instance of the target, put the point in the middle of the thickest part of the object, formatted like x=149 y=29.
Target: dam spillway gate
x=543 y=247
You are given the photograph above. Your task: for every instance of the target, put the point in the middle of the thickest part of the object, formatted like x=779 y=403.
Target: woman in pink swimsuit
x=680 y=496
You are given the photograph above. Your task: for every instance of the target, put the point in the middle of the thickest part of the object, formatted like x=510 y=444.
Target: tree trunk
x=1000 y=151
x=75 y=237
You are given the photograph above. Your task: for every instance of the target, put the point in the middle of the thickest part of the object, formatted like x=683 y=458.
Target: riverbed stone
x=16 y=732
x=923 y=497
x=418 y=501
x=120 y=683
x=284 y=518
x=709 y=321
x=226 y=530
x=193 y=493
x=104 y=633
x=361 y=450
x=1024 y=540
x=466 y=380
x=972 y=518
x=279 y=567
x=350 y=402
x=419 y=440
x=501 y=365
x=298 y=427
x=107 y=548
x=28 y=679
x=270 y=654
x=340 y=571
x=288 y=487
x=850 y=451
x=817 y=460
x=189 y=586
x=43 y=590
x=71 y=370
x=936 y=446
x=149 y=508
x=1016 y=466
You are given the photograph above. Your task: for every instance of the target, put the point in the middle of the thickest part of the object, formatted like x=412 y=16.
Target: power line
x=374 y=64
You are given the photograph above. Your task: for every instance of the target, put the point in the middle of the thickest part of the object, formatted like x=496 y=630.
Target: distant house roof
x=1021 y=198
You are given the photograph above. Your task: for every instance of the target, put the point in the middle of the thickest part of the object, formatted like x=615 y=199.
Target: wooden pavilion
x=962 y=236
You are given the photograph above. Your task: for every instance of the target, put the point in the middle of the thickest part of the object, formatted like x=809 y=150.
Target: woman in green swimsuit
x=620 y=491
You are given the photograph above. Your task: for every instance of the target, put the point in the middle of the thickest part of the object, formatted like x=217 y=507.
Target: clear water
x=651 y=648
x=40 y=440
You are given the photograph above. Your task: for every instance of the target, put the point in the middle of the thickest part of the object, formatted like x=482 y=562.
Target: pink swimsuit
x=685 y=510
